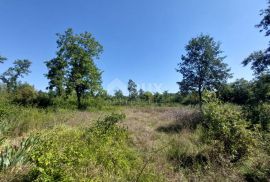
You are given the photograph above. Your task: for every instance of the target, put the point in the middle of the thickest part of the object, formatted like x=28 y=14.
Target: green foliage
x=13 y=155
x=100 y=153
x=11 y=76
x=258 y=114
x=260 y=60
x=225 y=123
x=132 y=89
x=74 y=68
x=238 y=92
x=56 y=75
x=202 y=67
x=25 y=95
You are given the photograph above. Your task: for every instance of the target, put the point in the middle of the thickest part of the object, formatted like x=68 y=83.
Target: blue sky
x=143 y=39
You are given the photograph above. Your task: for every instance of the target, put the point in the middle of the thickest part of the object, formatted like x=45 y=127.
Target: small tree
x=118 y=94
x=202 y=67
x=132 y=89
x=11 y=76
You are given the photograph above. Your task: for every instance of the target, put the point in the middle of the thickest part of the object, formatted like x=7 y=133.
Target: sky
x=143 y=40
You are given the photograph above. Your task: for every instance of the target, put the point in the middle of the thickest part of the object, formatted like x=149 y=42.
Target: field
x=147 y=144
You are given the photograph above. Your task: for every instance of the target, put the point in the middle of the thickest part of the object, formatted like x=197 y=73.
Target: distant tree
x=148 y=96
x=132 y=89
x=11 y=76
x=202 y=67
x=25 y=94
x=260 y=60
x=165 y=97
x=237 y=92
x=141 y=94
x=75 y=60
x=118 y=94
x=57 y=68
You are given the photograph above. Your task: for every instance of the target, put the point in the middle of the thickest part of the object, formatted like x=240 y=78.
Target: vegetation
x=202 y=68
x=209 y=131
x=74 y=69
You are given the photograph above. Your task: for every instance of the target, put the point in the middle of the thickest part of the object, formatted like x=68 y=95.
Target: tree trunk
x=200 y=97
x=79 y=104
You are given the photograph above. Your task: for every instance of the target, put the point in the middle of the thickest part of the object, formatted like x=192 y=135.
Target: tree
x=118 y=94
x=77 y=69
x=260 y=60
x=202 y=67
x=25 y=94
x=148 y=96
x=238 y=92
x=56 y=75
x=11 y=76
x=141 y=94
x=132 y=89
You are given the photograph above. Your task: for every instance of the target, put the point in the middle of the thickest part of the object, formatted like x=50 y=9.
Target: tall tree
x=132 y=89
x=75 y=58
x=260 y=60
x=202 y=67
x=11 y=76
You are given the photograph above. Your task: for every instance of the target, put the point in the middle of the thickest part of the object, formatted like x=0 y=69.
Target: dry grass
x=144 y=124
x=151 y=131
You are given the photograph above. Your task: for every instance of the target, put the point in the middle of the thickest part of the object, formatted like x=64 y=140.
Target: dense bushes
x=226 y=124
x=25 y=95
x=225 y=144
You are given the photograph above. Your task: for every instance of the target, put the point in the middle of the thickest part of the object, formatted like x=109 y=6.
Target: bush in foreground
x=100 y=153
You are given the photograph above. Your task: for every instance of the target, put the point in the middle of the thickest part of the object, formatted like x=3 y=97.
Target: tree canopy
x=74 y=68
x=11 y=76
x=202 y=68
x=132 y=89
x=260 y=60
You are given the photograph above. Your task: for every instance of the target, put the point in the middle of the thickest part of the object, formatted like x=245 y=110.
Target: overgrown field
x=132 y=144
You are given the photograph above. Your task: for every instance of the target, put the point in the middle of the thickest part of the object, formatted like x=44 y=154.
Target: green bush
x=225 y=123
x=258 y=114
x=25 y=95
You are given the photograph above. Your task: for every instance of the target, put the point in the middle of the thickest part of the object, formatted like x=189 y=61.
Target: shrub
x=25 y=94
x=43 y=100
x=225 y=123
x=258 y=114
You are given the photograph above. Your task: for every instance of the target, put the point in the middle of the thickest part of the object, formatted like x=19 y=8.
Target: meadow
x=131 y=143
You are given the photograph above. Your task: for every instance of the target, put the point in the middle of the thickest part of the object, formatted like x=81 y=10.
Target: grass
x=150 y=144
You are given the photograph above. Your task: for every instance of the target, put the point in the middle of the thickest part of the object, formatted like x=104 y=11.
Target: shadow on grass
x=184 y=119
x=171 y=128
